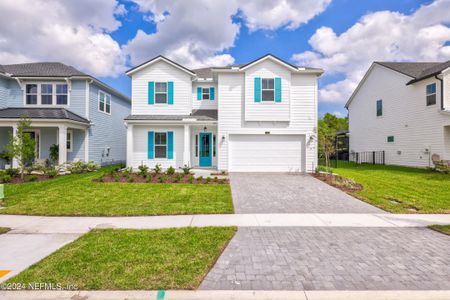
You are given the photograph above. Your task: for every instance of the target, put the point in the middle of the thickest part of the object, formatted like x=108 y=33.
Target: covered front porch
x=70 y=138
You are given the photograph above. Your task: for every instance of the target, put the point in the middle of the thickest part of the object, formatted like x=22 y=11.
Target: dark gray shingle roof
x=203 y=72
x=198 y=114
x=42 y=69
x=417 y=70
x=41 y=113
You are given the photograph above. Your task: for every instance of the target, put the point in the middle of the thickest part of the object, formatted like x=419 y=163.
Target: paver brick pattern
x=313 y=258
x=291 y=193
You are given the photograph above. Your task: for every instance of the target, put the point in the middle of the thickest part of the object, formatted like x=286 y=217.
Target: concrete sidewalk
x=79 y=225
x=227 y=295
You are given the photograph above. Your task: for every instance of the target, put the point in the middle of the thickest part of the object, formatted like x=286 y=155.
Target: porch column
x=86 y=145
x=129 y=144
x=187 y=146
x=62 y=131
x=15 y=163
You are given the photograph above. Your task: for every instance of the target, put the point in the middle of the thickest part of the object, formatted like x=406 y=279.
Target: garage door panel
x=266 y=153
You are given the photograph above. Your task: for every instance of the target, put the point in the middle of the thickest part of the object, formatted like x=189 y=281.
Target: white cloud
x=73 y=32
x=378 y=36
x=197 y=32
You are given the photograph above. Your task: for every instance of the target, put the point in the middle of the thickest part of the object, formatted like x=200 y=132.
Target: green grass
x=401 y=189
x=77 y=195
x=4 y=230
x=445 y=229
x=124 y=259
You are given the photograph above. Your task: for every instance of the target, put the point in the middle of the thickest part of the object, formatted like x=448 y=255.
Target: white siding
x=204 y=104
x=161 y=71
x=414 y=125
x=140 y=146
x=267 y=111
x=446 y=83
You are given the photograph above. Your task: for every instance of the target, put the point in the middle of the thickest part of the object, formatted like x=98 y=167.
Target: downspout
x=442 y=91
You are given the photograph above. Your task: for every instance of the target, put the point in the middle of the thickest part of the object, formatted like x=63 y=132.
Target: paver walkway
x=312 y=258
x=291 y=193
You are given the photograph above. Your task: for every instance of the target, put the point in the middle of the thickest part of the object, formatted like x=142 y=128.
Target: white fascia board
x=156 y=60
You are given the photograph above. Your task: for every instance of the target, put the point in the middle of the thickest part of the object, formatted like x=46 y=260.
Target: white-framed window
x=46 y=93
x=268 y=89
x=69 y=140
x=31 y=91
x=161 y=92
x=61 y=94
x=205 y=93
x=104 y=102
x=160 y=144
x=431 y=94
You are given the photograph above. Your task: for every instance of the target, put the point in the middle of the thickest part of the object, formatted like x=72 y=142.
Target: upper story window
x=161 y=92
x=205 y=93
x=379 y=108
x=268 y=89
x=160 y=144
x=46 y=94
x=104 y=102
x=431 y=94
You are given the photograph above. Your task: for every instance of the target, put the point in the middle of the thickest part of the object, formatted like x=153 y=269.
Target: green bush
x=143 y=170
x=186 y=169
x=12 y=172
x=170 y=171
x=6 y=178
x=191 y=179
x=31 y=178
x=79 y=167
x=208 y=180
x=162 y=179
x=157 y=169
x=51 y=172
x=130 y=179
x=116 y=177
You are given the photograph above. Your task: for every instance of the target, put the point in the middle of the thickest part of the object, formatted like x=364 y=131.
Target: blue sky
x=106 y=37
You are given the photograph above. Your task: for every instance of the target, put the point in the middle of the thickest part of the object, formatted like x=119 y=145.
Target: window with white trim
x=160 y=144
x=205 y=93
x=431 y=94
x=268 y=89
x=69 y=141
x=160 y=92
x=104 y=102
x=46 y=93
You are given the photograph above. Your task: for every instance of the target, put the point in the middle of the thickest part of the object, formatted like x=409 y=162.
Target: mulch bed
x=158 y=178
x=339 y=182
x=29 y=178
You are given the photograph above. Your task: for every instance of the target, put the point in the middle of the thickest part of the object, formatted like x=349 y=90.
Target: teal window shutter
x=277 y=89
x=199 y=93
x=170 y=92
x=151 y=144
x=151 y=92
x=211 y=93
x=170 y=144
x=257 y=87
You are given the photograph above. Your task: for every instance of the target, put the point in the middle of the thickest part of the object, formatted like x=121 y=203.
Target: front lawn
x=445 y=229
x=126 y=259
x=4 y=230
x=401 y=189
x=78 y=195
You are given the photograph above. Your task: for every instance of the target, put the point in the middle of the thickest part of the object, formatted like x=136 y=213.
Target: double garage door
x=266 y=153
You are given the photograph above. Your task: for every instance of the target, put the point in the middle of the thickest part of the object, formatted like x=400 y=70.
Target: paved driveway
x=291 y=193
x=318 y=258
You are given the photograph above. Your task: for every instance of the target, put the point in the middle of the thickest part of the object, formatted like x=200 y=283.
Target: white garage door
x=266 y=153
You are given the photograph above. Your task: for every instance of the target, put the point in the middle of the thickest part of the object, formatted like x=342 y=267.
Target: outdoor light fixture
x=204 y=129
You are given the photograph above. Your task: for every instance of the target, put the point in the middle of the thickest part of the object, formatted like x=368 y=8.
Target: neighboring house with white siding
x=68 y=108
x=260 y=116
x=402 y=108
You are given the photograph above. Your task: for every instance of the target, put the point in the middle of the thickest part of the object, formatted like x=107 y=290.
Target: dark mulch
x=339 y=182
x=158 y=178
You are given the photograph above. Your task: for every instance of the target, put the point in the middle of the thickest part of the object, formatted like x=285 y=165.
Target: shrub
x=6 y=178
x=79 y=167
x=162 y=179
x=51 y=172
x=116 y=177
x=149 y=178
x=208 y=179
x=12 y=172
x=130 y=179
x=324 y=169
x=31 y=178
x=186 y=169
x=157 y=169
x=216 y=179
x=191 y=179
x=170 y=171
x=143 y=170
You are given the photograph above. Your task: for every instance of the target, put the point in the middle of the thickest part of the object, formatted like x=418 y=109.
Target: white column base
x=62 y=131
x=187 y=146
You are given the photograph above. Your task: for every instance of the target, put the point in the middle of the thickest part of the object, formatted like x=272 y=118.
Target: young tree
x=22 y=145
x=327 y=137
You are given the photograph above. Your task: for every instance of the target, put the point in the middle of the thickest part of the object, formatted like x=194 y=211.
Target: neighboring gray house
x=67 y=107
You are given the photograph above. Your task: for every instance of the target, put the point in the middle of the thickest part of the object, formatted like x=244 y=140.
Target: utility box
x=2 y=193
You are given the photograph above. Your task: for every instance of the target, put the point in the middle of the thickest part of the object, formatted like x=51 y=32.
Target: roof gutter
x=442 y=91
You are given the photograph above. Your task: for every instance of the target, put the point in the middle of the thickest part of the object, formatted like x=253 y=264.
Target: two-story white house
x=255 y=117
x=402 y=108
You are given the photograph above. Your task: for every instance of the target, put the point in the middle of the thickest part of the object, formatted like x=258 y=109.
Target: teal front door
x=205 y=150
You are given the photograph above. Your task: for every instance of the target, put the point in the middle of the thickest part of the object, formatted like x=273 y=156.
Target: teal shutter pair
x=258 y=89
x=151 y=145
x=200 y=93
x=151 y=92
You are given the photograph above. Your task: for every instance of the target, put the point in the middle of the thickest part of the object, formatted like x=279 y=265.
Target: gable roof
x=42 y=69
x=41 y=113
x=156 y=59
x=417 y=71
